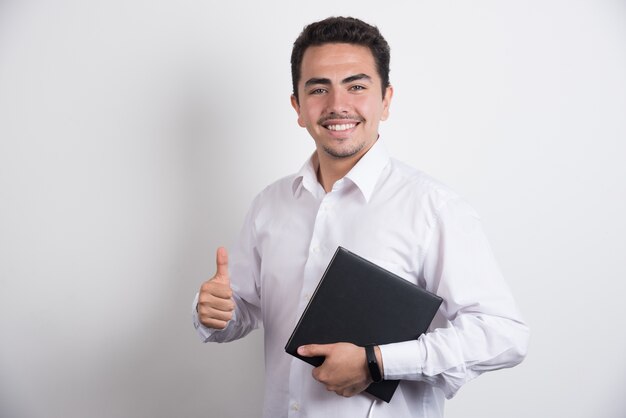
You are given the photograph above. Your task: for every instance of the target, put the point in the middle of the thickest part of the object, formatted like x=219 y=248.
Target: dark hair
x=341 y=30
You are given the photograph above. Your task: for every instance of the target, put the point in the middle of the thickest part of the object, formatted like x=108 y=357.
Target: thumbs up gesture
x=215 y=300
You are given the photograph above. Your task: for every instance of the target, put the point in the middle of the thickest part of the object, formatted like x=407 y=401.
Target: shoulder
x=282 y=187
x=423 y=190
x=276 y=193
x=416 y=182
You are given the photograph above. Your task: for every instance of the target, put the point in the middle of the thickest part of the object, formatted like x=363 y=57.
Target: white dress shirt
x=404 y=221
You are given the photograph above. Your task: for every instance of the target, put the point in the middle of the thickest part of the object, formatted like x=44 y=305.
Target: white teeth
x=343 y=127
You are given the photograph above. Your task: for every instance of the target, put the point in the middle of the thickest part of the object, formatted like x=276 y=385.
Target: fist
x=344 y=370
x=215 y=300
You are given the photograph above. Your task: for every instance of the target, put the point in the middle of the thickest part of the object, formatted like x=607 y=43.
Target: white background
x=134 y=134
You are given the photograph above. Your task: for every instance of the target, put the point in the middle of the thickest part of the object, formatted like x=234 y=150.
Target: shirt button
x=295 y=406
x=307 y=297
x=315 y=249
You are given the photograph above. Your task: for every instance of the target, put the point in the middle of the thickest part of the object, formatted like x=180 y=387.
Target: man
x=351 y=193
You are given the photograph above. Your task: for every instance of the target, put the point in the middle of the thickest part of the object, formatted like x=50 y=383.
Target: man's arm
x=480 y=328
x=227 y=307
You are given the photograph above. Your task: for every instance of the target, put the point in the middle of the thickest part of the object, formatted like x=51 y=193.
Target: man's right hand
x=215 y=300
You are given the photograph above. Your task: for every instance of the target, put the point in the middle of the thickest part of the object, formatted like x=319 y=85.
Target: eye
x=318 y=91
x=357 y=87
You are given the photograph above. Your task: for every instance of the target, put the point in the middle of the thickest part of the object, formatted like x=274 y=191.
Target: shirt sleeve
x=480 y=328
x=244 y=269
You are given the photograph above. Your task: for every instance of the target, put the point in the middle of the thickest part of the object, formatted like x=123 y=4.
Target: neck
x=331 y=169
x=329 y=173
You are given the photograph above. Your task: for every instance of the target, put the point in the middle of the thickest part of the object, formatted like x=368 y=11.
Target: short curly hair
x=347 y=30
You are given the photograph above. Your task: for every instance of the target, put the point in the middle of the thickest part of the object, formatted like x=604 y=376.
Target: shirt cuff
x=402 y=361
x=202 y=331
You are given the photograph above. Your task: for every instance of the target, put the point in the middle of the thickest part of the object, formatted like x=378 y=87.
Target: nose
x=338 y=101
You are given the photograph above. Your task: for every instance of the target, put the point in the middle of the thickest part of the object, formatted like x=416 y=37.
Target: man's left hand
x=344 y=370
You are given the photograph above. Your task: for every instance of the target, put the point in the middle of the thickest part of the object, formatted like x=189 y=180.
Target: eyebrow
x=356 y=77
x=347 y=80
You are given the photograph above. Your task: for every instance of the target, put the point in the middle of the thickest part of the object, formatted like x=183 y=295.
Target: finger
x=221 y=260
x=316 y=374
x=351 y=391
x=313 y=350
x=216 y=289
x=208 y=313
x=213 y=323
x=216 y=302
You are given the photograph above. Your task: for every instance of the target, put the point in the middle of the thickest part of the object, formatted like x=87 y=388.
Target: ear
x=386 y=102
x=296 y=107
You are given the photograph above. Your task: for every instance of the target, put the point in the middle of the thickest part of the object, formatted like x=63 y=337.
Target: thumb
x=314 y=350
x=222 y=266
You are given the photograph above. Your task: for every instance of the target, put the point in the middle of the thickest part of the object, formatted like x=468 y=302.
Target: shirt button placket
x=294 y=409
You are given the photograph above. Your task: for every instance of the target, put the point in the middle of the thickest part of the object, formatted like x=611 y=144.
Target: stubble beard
x=343 y=153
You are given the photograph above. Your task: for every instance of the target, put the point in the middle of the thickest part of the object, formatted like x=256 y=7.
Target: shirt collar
x=306 y=177
x=367 y=171
x=364 y=174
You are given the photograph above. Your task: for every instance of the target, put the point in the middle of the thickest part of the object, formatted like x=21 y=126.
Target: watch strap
x=372 y=363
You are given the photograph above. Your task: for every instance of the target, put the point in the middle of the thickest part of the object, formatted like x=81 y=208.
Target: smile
x=341 y=127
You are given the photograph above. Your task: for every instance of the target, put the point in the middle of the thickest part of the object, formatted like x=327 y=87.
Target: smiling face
x=340 y=101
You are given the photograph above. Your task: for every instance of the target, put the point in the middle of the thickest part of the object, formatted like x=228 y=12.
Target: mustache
x=337 y=116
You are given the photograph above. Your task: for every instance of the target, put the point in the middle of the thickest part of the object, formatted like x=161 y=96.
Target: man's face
x=340 y=100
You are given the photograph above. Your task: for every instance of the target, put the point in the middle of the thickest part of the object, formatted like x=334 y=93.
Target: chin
x=343 y=152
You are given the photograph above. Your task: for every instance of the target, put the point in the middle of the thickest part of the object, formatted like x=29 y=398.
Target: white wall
x=133 y=135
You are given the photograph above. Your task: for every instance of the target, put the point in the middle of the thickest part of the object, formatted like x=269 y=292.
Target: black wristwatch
x=372 y=363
